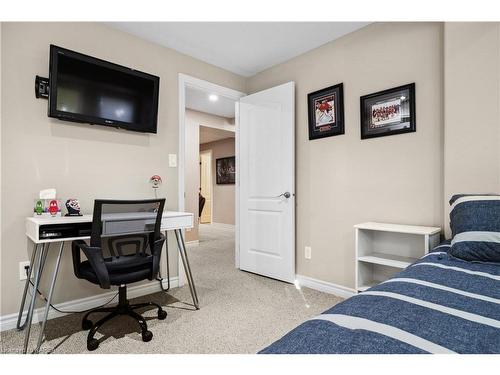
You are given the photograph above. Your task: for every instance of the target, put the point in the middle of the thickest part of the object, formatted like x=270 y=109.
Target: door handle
x=286 y=194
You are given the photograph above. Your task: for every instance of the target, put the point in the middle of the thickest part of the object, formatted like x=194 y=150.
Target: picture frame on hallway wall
x=326 y=112
x=225 y=169
x=388 y=112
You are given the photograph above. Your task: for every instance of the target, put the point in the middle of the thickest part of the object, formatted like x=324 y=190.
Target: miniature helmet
x=73 y=207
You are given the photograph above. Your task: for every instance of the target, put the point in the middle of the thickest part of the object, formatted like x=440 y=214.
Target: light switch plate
x=172 y=160
x=307 y=252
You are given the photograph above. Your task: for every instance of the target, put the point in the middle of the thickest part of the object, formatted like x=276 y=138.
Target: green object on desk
x=39 y=207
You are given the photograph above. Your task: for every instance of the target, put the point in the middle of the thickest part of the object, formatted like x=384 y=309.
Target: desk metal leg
x=49 y=298
x=42 y=255
x=187 y=268
x=20 y=326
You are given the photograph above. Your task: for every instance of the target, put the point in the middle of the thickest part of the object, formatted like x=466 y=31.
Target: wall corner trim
x=9 y=321
x=324 y=286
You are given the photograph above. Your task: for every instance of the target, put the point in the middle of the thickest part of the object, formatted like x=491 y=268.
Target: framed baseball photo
x=388 y=112
x=326 y=112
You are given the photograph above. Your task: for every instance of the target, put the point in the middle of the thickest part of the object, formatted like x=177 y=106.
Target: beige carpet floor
x=240 y=312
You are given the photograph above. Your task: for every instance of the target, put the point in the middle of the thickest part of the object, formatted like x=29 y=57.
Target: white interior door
x=267 y=182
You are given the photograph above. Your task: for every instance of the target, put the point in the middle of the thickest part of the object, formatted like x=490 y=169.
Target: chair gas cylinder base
x=123 y=308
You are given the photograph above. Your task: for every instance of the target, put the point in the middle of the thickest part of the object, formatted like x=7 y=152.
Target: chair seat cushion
x=126 y=262
x=122 y=270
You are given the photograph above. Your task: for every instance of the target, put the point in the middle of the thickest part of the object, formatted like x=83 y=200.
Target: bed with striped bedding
x=439 y=304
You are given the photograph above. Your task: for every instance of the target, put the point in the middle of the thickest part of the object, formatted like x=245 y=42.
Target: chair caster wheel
x=86 y=324
x=162 y=314
x=92 y=344
x=147 y=336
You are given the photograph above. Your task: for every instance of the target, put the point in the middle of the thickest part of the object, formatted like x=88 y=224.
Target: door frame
x=184 y=81
x=211 y=184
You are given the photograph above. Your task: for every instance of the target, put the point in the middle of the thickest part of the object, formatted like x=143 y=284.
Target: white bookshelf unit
x=384 y=249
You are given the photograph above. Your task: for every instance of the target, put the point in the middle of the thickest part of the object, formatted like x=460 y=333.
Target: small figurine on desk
x=73 y=207
x=39 y=207
x=53 y=208
x=47 y=204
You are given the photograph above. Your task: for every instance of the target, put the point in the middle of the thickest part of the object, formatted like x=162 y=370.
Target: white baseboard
x=324 y=286
x=9 y=321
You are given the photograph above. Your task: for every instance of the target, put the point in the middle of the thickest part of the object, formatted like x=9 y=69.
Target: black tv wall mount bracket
x=41 y=87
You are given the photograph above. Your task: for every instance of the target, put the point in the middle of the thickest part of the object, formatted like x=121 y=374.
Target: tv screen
x=89 y=90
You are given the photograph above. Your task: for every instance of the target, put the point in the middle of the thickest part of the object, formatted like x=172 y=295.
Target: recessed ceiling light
x=213 y=97
x=403 y=97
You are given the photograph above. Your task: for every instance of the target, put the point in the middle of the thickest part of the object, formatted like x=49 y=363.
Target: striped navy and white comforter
x=439 y=304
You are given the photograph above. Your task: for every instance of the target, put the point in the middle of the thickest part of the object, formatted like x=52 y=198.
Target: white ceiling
x=212 y=134
x=198 y=100
x=244 y=48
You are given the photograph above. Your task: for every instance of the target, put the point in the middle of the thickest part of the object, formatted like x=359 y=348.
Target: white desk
x=176 y=221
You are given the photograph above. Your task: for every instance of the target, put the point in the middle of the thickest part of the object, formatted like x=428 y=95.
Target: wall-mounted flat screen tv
x=89 y=90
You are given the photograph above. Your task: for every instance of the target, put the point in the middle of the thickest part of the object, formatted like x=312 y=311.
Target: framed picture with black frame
x=326 y=112
x=388 y=112
x=225 y=170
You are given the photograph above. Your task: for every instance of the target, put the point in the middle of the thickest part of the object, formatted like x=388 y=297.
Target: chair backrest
x=120 y=223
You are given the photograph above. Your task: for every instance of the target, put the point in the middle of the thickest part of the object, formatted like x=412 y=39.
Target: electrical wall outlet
x=307 y=252
x=22 y=269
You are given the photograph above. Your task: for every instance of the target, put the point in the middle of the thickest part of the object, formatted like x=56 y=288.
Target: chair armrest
x=156 y=248
x=95 y=258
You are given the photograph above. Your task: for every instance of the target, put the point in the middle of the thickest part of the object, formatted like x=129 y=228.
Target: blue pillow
x=475 y=226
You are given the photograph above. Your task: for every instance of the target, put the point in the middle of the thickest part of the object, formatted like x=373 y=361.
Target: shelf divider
x=390 y=260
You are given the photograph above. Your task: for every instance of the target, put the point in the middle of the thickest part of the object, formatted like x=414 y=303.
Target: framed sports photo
x=388 y=112
x=225 y=169
x=326 y=112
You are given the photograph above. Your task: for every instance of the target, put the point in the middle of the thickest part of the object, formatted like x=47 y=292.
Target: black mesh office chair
x=125 y=247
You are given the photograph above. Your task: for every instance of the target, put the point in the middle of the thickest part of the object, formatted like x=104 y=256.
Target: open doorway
x=207 y=164
x=263 y=237
x=217 y=181
x=205 y=197
x=210 y=173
